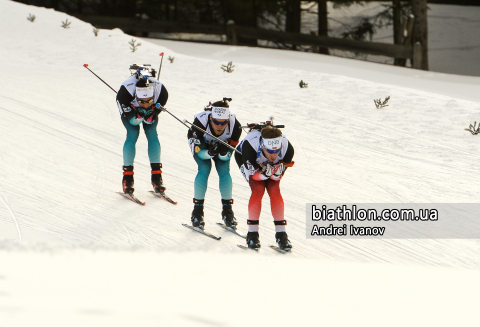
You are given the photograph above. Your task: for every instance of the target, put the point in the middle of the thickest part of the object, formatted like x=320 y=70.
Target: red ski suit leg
x=255 y=203
x=258 y=190
x=276 y=199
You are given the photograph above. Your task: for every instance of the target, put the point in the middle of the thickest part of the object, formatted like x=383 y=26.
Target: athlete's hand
x=222 y=149
x=213 y=149
x=267 y=171
x=141 y=112
x=152 y=114
x=278 y=170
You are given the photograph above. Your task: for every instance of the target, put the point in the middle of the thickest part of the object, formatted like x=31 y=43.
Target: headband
x=144 y=92
x=273 y=144
x=220 y=113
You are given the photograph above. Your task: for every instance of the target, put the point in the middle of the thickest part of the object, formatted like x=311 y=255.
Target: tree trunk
x=126 y=8
x=79 y=6
x=243 y=13
x=420 y=29
x=293 y=17
x=56 y=4
x=398 y=29
x=322 y=22
x=167 y=10
x=175 y=12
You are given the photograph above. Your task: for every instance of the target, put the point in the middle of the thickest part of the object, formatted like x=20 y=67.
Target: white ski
x=201 y=231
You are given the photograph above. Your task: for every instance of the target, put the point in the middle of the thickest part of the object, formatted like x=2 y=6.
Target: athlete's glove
x=153 y=113
x=267 y=171
x=222 y=149
x=278 y=170
x=213 y=148
x=141 y=112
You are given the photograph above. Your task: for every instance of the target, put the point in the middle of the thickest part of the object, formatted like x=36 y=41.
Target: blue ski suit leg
x=133 y=132
x=201 y=180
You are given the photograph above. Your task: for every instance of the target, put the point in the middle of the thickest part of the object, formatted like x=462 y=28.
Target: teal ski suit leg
x=154 y=148
x=201 y=180
x=133 y=132
x=225 y=183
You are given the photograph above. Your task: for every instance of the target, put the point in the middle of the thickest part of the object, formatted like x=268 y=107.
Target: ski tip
x=276 y=248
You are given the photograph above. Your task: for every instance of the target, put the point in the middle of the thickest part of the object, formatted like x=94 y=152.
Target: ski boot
x=282 y=241
x=157 y=181
x=228 y=215
x=197 y=214
x=127 y=181
x=253 y=240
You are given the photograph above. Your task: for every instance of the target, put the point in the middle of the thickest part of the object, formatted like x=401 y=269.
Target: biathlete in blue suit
x=218 y=121
x=137 y=102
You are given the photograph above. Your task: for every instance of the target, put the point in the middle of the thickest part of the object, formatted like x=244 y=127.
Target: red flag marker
x=161 y=54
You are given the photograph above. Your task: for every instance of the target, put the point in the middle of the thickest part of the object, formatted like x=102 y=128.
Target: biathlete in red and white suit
x=266 y=154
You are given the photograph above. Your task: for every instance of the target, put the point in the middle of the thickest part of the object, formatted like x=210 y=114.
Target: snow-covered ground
x=75 y=253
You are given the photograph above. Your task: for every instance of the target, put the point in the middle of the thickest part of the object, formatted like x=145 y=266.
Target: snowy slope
x=76 y=253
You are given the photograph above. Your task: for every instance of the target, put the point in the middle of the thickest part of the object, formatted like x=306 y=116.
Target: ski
x=201 y=231
x=246 y=247
x=131 y=197
x=230 y=229
x=162 y=195
x=276 y=248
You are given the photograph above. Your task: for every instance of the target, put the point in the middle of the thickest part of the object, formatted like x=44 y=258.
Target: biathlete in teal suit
x=218 y=121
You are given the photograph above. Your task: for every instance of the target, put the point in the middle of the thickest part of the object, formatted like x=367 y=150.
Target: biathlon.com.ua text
x=343 y=213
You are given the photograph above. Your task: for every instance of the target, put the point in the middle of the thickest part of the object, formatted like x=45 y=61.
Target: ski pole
x=216 y=138
x=164 y=109
x=86 y=66
x=160 y=68
x=200 y=129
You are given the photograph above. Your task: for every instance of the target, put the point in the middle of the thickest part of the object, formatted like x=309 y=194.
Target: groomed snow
x=75 y=253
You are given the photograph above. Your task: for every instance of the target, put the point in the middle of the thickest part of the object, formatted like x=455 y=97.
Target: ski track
x=14 y=219
x=78 y=231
